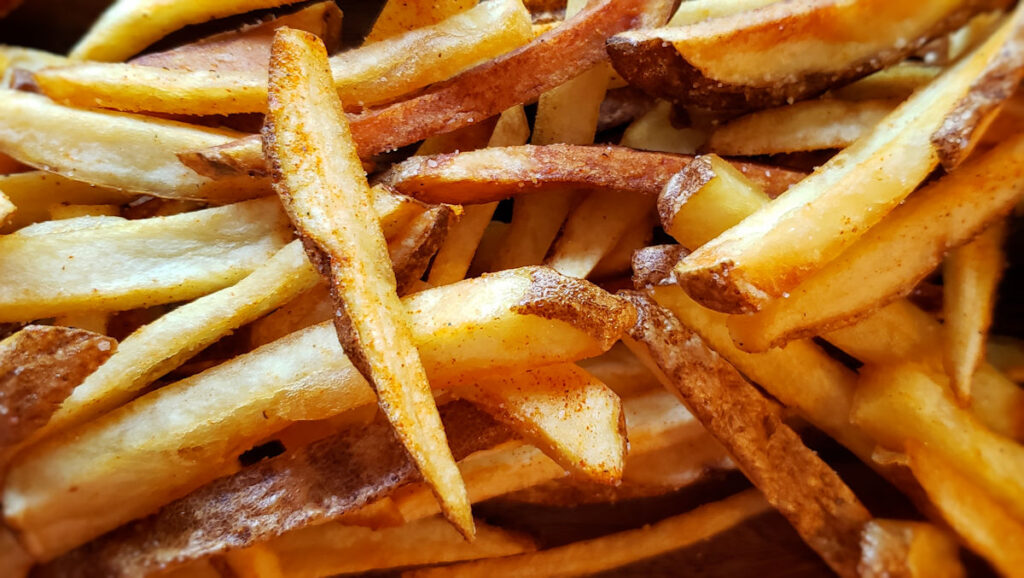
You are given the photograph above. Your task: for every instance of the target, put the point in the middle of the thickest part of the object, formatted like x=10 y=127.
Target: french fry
x=587 y=436
x=39 y=366
x=969 y=282
x=805 y=126
x=493 y=174
x=676 y=466
x=324 y=481
x=15 y=58
x=826 y=513
x=366 y=76
x=483 y=91
x=827 y=45
x=6 y=208
x=335 y=549
x=14 y=560
x=773 y=250
x=306 y=309
x=1007 y=355
x=254 y=562
x=898 y=81
x=913 y=549
x=620 y=370
x=695 y=11
x=412 y=250
x=894 y=404
x=247 y=48
x=619 y=549
x=129 y=26
x=654 y=132
x=983 y=523
x=617 y=262
x=456 y=254
x=34 y=193
x=127 y=152
x=863 y=278
x=329 y=202
x=399 y=16
x=56 y=272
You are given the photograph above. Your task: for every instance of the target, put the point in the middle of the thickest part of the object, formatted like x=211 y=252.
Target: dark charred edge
x=681 y=187
x=39 y=367
x=962 y=127
x=657 y=68
x=417 y=246
x=653 y=266
x=579 y=303
x=313 y=485
x=802 y=487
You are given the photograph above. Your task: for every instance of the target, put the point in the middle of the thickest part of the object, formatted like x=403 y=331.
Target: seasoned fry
x=773 y=250
x=48 y=273
x=826 y=513
x=736 y=62
x=804 y=126
x=128 y=152
x=515 y=78
x=412 y=249
x=912 y=549
x=39 y=367
x=915 y=235
x=586 y=436
x=129 y=26
x=376 y=73
x=616 y=550
x=321 y=183
x=969 y=282
x=400 y=16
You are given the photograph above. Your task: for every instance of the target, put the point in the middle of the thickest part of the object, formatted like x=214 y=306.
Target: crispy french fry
x=39 y=367
x=619 y=369
x=826 y=513
x=616 y=550
x=773 y=250
x=247 y=48
x=804 y=126
x=15 y=58
x=898 y=403
x=128 y=152
x=254 y=562
x=896 y=82
x=969 y=282
x=412 y=250
x=983 y=523
x=617 y=262
x=129 y=26
x=695 y=11
x=912 y=549
x=915 y=235
x=654 y=132
x=733 y=63
x=587 y=436
x=309 y=308
x=400 y=16
x=501 y=323
x=34 y=194
x=329 y=202
x=335 y=549
x=478 y=93
x=47 y=273
x=493 y=174
x=456 y=254
x=366 y=76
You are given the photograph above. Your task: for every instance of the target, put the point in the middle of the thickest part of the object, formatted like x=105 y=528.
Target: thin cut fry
x=896 y=82
x=773 y=250
x=321 y=183
x=969 y=282
x=615 y=550
x=129 y=26
x=400 y=16
x=912 y=549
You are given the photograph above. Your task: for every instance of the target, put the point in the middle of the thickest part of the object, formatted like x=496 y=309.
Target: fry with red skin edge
x=492 y=174
x=770 y=252
x=515 y=78
x=321 y=183
x=825 y=512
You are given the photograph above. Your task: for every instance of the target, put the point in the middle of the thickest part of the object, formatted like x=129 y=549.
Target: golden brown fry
x=804 y=126
x=481 y=92
x=39 y=367
x=412 y=250
x=896 y=82
x=782 y=52
x=969 y=282
x=583 y=429
x=614 y=550
x=321 y=183
x=129 y=26
x=916 y=236
x=694 y=11
x=128 y=152
x=654 y=131
x=492 y=174
x=911 y=549
x=17 y=58
x=401 y=16
x=617 y=262
x=983 y=523
x=773 y=250
x=1007 y=355
x=826 y=513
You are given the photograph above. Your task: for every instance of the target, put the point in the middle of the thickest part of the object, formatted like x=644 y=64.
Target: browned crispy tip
x=39 y=366
x=823 y=510
x=655 y=265
x=316 y=484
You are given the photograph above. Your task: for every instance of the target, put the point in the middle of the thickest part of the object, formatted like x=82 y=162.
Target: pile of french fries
x=277 y=303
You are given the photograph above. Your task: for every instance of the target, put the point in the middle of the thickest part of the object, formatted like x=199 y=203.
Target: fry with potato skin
x=320 y=181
